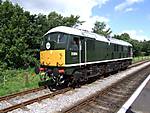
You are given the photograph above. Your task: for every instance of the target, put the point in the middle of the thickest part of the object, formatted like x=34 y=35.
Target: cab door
x=83 y=50
x=73 y=50
x=77 y=51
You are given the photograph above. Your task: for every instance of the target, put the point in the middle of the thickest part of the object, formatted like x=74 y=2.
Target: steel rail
x=81 y=106
x=23 y=104
x=7 y=97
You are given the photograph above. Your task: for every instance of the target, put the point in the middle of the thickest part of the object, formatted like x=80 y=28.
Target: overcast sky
x=130 y=16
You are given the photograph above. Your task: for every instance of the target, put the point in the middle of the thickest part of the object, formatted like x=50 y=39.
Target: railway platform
x=139 y=102
x=142 y=102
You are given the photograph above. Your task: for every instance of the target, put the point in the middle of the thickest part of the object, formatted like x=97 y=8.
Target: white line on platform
x=128 y=103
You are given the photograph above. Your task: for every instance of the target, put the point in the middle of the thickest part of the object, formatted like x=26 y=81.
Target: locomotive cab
x=53 y=49
x=58 y=51
x=61 y=50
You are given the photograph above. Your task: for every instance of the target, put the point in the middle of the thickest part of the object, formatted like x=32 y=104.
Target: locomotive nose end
x=52 y=58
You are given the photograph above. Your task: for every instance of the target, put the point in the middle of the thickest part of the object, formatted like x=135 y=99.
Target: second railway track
x=113 y=97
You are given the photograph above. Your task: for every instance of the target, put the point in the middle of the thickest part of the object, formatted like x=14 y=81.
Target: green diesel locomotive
x=70 y=56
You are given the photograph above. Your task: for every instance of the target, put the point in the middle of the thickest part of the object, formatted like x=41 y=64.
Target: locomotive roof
x=78 y=32
x=120 y=42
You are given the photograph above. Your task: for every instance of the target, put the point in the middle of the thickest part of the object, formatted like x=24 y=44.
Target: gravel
x=63 y=101
x=19 y=99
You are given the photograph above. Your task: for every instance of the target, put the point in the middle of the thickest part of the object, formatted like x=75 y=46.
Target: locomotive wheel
x=52 y=87
x=59 y=81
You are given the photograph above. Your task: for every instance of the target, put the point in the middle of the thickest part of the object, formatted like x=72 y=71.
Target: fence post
x=26 y=79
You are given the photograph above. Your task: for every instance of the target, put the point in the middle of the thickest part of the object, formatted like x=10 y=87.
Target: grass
x=140 y=58
x=17 y=80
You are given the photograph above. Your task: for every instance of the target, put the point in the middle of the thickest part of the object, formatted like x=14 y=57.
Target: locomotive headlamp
x=48 y=45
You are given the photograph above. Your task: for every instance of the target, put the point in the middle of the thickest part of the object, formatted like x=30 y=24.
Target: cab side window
x=74 y=43
x=62 y=38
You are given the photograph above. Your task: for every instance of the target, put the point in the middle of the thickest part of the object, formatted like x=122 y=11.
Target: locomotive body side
x=69 y=54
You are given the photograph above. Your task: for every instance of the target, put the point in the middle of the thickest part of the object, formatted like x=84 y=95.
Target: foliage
x=100 y=28
x=146 y=47
x=21 y=32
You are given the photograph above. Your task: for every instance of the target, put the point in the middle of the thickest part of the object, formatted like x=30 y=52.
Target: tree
x=55 y=19
x=146 y=47
x=100 y=28
x=21 y=33
x=71 y=21
x=136 y=47
x=14 y=32
x=124 y=36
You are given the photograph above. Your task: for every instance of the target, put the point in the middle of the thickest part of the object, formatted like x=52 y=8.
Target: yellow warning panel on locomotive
x=52 y=57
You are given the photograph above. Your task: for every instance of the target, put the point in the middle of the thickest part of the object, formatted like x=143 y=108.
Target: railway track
x=9 y=103
x=14 y=106
x=111 y=99
x=20 y=93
